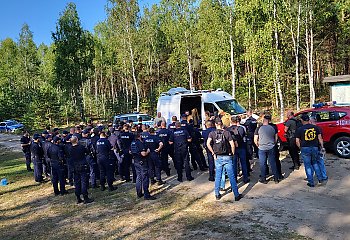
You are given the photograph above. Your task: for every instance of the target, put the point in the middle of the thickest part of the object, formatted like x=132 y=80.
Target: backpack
x=291 y=132
x=220 y=145
x=240 y=138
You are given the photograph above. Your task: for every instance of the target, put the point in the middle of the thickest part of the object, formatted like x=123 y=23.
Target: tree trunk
x=277 y=78
x=233 y=78
x=255 y=91
x=309 y=52
x=189 y=62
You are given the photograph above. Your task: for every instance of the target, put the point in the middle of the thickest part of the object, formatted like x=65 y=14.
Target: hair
x=103 y=134
x=126 y=127
x=163 y=124
x=151 y=130
x=209 y=124
x=174 y=118
x=195 y=116
x=74 y=139
x=177 y=124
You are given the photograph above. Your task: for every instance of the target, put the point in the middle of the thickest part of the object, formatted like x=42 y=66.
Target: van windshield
x=231 y=107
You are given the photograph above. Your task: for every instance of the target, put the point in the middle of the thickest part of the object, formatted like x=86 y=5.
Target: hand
x=215 y=156
x=157 y=150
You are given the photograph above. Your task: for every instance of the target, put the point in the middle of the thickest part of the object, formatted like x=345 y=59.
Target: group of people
x=84 y=157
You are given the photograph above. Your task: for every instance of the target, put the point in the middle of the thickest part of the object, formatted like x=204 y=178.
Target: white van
x=179 y=100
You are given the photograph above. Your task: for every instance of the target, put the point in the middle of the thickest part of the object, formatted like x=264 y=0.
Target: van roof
x=207 y=95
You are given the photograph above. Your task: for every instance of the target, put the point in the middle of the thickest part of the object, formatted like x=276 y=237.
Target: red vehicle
x=334 y=122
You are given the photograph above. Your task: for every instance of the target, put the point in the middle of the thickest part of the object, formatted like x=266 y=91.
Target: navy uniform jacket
x=137 y=147
x=78 y=156
x=36 y=151
x=125 y=140
x=25 y=140
x=172 y=127
x=164 y=135
x=145 y=135
x=56 y=154
x=251 y=125
x=186 y=126
x=152 y=142
x=205 y=134
x=179 y=138
x=103 y=147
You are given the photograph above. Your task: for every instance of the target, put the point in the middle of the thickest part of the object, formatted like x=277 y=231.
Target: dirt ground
x=188 y=210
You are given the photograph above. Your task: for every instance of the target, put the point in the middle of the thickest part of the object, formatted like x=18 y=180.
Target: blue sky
x=42 y=15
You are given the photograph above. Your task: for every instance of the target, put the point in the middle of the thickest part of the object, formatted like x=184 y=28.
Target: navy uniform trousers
x=154 y=166
x=81 y=180
x=106 y=167
x=38 y=169
x=142 y=179
x=57 y=176
x=181 y=159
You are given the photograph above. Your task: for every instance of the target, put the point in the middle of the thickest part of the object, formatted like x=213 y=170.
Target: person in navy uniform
x=154 y=144
x=25 y=144
x=105 y=162
x=37 y=155
x=180 y=138
x=140 y=153
x=94 y=170
x=67 y=159
x=145 y=132
x=126 y=137
x=172 y=126
x=46 y=163
x=56 y=155
x=164 y=135
x=78 y=153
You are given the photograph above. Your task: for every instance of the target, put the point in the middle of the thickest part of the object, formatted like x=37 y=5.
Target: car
x=10 y=126
x=146 y=119
x=334 y=121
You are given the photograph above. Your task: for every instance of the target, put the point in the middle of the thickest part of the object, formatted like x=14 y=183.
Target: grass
x=30 y=211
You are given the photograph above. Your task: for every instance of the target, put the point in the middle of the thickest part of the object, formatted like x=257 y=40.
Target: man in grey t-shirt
x=265 y=138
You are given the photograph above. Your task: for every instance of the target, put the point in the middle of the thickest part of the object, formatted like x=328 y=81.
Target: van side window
x=209 y=107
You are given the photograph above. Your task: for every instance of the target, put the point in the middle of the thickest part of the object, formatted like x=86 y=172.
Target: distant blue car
x=10 y=126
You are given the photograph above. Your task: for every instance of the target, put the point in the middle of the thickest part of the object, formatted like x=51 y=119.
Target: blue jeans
x=224 y=163
x=264 y=156
x=241 y=154
x=310 y=156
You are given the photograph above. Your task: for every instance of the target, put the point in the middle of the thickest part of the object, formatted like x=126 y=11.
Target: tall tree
x=74 y=54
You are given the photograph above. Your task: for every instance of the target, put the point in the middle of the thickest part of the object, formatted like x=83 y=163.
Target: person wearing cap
x=56 y=155
x=265 y=137
x=46 y=163
x=37 y=154
x=94 y=169
x=309 y=140
x=25 y=144
x=85 y=141
x=69 y=169
x=43 y=136
x=180 y=139
x=104 y=151
x=221 y=145
x=77 y=154
x=154 y=144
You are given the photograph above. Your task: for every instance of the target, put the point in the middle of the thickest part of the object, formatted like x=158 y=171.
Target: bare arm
x=232 y=143
x=160 y=147
x=320 y=140
x=210 y=148
x=256 y=140
x=297 y=141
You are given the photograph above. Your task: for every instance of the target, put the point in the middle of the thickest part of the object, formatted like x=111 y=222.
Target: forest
x=269 y=54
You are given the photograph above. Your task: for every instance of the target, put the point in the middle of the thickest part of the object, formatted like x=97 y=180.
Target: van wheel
x=342 y=147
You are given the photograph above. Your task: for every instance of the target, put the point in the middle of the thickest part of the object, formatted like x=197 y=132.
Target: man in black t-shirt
x=309 y=139
x=222 y=147
x=290 y=129
x=25 y=144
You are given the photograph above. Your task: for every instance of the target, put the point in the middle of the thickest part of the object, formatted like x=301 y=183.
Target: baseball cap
x=36 y=136
x=55 y=129
x=48 y=136
x=183 y=115
x=45 y=132
x=305 y=117
x=86 y=131
x=65 y=132
x=56 y=139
